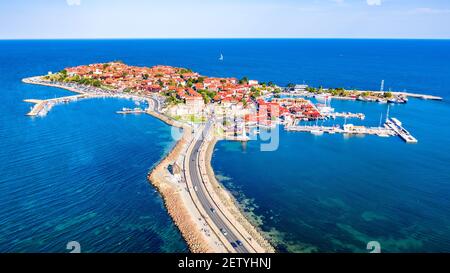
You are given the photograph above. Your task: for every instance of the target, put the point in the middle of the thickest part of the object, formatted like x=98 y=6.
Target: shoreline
x=181 y=208
x=230 y=201
x=395 y=93
x=173 y=200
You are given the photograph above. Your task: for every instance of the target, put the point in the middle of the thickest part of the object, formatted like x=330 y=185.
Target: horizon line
x=225 y=38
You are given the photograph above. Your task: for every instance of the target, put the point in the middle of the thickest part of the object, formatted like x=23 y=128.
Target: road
x=199 y=189
x=156 y=105
x=214 y=213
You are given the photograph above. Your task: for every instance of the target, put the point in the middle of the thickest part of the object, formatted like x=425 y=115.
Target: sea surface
x=79 y=174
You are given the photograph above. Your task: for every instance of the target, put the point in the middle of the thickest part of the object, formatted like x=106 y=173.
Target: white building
x=300 y=88
x=195 y=104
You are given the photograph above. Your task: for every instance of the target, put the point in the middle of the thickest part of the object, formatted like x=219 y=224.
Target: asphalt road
x=200 y=190
x=211 y=209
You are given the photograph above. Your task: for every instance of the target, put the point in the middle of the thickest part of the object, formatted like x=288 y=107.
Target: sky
x=53 y=19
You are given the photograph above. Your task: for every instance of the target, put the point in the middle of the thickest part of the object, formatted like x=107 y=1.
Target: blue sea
x=79 y=174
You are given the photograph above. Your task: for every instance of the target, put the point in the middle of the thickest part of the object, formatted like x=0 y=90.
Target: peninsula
x=206 y=110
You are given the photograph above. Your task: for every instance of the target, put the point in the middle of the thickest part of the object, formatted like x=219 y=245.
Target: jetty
x=414 y=95
x=396 y=126
x=42 y=107
x=392 y=127
x=347 y=129
x=356 y=93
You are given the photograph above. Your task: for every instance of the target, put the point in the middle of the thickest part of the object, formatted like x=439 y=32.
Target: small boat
x=392 y=100
x=325 y=109
x=221 y=57
x=322 y=97
x=383 y=135
x=366 y=99
x=317 y=132
x=399 y=100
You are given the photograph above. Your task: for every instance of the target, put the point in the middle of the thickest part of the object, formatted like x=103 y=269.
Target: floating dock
x=396 y=126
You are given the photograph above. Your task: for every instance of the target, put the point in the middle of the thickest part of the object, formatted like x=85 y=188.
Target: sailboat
x=382 y=133
x=221 y=57
x=317 y=131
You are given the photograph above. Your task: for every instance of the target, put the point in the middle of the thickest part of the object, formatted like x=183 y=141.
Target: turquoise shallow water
x=80 y=173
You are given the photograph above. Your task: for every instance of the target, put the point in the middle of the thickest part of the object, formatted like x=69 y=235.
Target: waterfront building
x=300 y=88
x=195 y=104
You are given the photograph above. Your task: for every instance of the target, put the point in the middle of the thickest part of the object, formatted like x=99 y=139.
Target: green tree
x=388 y=95
x=277 y=91
x=184 y=71
x=244 y=80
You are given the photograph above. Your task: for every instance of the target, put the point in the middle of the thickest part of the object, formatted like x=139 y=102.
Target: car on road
x=213 y=210
x=224 y=232
x=234 y=245
x=239 y=243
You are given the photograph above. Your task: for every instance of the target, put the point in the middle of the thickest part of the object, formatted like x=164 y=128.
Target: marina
x=392 y=127
x=328 y=194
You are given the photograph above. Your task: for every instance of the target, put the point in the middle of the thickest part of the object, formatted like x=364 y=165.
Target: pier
x=359 y=92
x=392 y=127
x=396 y=126
x=360 y=116
x=42 y=107
x=417 y=96
x=347 y=129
